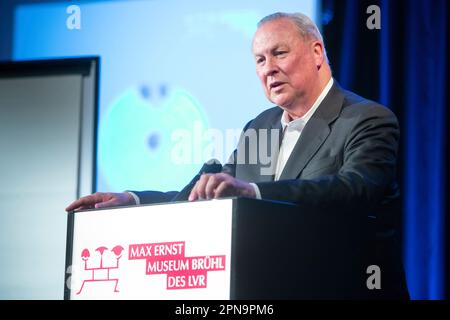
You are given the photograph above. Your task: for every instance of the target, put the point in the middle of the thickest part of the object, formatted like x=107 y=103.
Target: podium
x=232 y=248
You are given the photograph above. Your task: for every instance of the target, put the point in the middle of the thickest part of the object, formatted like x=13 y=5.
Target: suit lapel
x=314 y=134
x=272 y=150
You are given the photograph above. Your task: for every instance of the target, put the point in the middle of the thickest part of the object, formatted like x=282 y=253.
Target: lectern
x=233 y=248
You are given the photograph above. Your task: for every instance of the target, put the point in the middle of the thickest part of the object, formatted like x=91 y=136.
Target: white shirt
x=291 y=133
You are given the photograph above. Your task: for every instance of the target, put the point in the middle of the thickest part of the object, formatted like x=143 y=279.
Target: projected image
x=165 y=65
x=139 y=137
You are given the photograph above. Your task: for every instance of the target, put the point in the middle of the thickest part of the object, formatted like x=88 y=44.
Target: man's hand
x=102 y=200
x=213 y=186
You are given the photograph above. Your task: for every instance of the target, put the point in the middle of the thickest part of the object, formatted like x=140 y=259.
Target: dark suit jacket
x=346 y=155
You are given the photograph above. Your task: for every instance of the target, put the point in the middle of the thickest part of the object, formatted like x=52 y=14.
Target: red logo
x=101 y=273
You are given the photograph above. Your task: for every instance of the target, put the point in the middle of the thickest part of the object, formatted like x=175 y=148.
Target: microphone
x=211 y=166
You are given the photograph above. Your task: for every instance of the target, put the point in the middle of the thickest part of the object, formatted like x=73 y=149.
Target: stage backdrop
x=170 y=72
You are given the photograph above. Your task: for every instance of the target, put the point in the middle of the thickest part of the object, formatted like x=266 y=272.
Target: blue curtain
x=407 y=69
x=425 y=81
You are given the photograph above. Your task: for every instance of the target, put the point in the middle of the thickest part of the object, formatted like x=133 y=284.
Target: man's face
x=286 y=64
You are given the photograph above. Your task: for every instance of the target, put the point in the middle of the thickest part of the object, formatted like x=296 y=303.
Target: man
x=338 y=150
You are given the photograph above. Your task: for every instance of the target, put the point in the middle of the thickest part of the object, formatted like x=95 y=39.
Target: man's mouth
x=276 y=84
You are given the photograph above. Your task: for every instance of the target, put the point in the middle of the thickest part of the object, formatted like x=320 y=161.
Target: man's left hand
x=219 y=185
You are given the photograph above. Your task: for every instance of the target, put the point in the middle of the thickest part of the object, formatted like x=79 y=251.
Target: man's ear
x=319 y=53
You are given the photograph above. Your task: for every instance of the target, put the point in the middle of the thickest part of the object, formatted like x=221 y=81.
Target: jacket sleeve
x=147 y=197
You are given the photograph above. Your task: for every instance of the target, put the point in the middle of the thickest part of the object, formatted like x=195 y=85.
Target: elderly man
x=336 y=147
x=333 y=149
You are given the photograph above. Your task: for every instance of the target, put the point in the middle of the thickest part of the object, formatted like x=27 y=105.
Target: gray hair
x=307 y=28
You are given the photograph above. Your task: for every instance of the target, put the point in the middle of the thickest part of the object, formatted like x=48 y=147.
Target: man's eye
x=279 y=53
x=259 y=60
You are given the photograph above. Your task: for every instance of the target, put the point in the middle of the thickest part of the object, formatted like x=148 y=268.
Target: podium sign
x=234 y=248
x=165 y=251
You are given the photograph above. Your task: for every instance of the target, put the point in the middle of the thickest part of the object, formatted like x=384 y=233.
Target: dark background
x=404 y=66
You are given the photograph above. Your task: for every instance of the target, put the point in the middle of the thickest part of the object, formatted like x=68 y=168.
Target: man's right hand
x=102 y=200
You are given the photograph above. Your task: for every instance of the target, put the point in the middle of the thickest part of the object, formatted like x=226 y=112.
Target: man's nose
x=270 y=68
